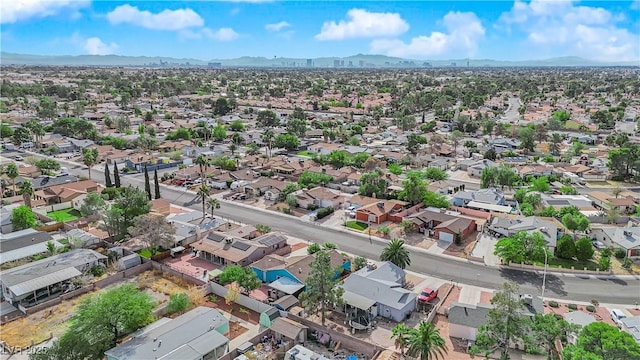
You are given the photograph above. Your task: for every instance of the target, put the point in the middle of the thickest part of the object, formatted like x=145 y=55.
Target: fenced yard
x=64 y=215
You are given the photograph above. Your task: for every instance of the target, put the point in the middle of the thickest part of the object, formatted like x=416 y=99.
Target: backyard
x=64 y=215
x=54 y=321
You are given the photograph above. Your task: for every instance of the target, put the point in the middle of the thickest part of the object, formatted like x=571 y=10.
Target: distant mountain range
x=355 y=61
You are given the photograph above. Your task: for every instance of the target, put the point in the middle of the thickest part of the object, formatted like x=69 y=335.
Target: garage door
x=445 y=236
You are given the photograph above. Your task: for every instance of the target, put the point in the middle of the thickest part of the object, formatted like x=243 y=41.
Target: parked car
x=598 y=244
x=18 y=158
x=427 y=295
x=617 y=315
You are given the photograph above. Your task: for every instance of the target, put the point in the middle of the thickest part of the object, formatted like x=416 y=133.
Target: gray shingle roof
x=382 y=284
x=472 y=316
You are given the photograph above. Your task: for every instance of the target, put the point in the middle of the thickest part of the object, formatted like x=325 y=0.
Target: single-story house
x=602 y=200
x=627 y=238
x=24 y=243
x=443 y=226
x=319 y=196
x=379 y=290
x=195 y=335
x=491 y=196
x=465 y=319
x=380 y=211
x=632 y=326
x=475 y=170
x=550 y=228
x=223 y=249
x=32 y=283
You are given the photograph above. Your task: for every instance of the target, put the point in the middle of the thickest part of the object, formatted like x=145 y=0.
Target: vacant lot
x=64 y=215
x=54 y=321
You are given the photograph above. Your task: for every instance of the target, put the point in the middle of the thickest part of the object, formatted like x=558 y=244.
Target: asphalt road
x=613 y=290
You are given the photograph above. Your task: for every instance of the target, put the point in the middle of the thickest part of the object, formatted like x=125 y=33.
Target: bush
x=590 y=308
x=573 y=306
x=619 y=253
x=605 y=263
x=98 y=270
x=324 y=212
x=313 y=248
x=626 y=263
x=553 y=304
x=330 y=246
x=606 y=252
x=178 y=302
x=558 y=316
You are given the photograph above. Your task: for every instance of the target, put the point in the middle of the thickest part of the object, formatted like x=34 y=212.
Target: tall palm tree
x=426 y=343
x=12 y=173
x=204 y=192
x=267 y=140
x=27 y=192
x=396 y=253
x=400 y=333
x=213 y=204
x=89 y=158
x=202 y=162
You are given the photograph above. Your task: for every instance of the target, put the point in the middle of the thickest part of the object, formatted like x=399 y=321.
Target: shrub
x=590 y=308
x=605 y=263
x=606 y=252
x=330 y=246
x=558 y=316
x=619 y=253
x=553 y=304
x=213 y=298
x=626 y=263
x=98 y=270
x=573 y=306
x=313 y=248
x=178 y=302
x=324 y=212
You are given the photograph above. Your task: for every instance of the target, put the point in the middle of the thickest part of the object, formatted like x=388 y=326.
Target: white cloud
x=363 y=24
x=95 y=46
x=12 y=11
x=165 y=20
x=463 y=31
x=563 y=28
x=277 y=26
x=222 y=34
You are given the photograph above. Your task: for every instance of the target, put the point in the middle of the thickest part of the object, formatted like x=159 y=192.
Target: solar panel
x=240 y=245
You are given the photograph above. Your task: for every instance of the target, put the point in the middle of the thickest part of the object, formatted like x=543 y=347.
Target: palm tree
x=204 y=192
x=267 y=140
x=27 y=192
x=401 y=335
x=89 y=158
x=213 y=204
x=554 y=143
x=396 y=253
x=426 y=343
x=203 y=163
x=12 y=173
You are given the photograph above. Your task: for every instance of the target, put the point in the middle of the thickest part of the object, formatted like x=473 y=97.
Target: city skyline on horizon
x=429 y=30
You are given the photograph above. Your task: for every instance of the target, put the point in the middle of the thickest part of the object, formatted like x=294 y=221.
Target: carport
x=358 y=310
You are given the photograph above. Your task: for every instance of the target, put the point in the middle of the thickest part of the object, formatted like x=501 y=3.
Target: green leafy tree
x=133 y=202
x=575 y=222
x=373 y=183
x=154 y=231
x=413 y=188
x=5 y=131
x=527 y=139
x=22 y=218
x=267 y=118
x=426 y=343
x=395 y=169
x=178 y=302
x=435 y=200
x=396 y=253
x=21 y=135
x=565 y=248
x=540 y=184
x=414 y=141
x=287 y=141
x=322 y=292
x=100 y=321
x=505 y=322
x=522 y=247
x=297 y=127
x=219 y=133
x=221 y=107
x=47 y=164
x=584 y=249
x=92 y=204
x=547 y=329
x=434 y=174
x=310 y=179
x=602 y=341
x=237 y=125
x=359 y=263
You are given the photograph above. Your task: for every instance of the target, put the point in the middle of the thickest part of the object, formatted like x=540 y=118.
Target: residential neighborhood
x=317 y=214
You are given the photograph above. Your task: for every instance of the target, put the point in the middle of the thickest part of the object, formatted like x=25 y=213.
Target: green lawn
x=356 y=225
x=65 y=215
x=304 y=153
x=567 y=264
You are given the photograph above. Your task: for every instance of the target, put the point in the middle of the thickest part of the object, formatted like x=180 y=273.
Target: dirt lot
x=236 y=310
x=235 y=330
x=464 y=248
x=54 y=321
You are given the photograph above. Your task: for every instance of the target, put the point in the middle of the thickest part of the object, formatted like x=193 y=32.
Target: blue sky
x=504 y=30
